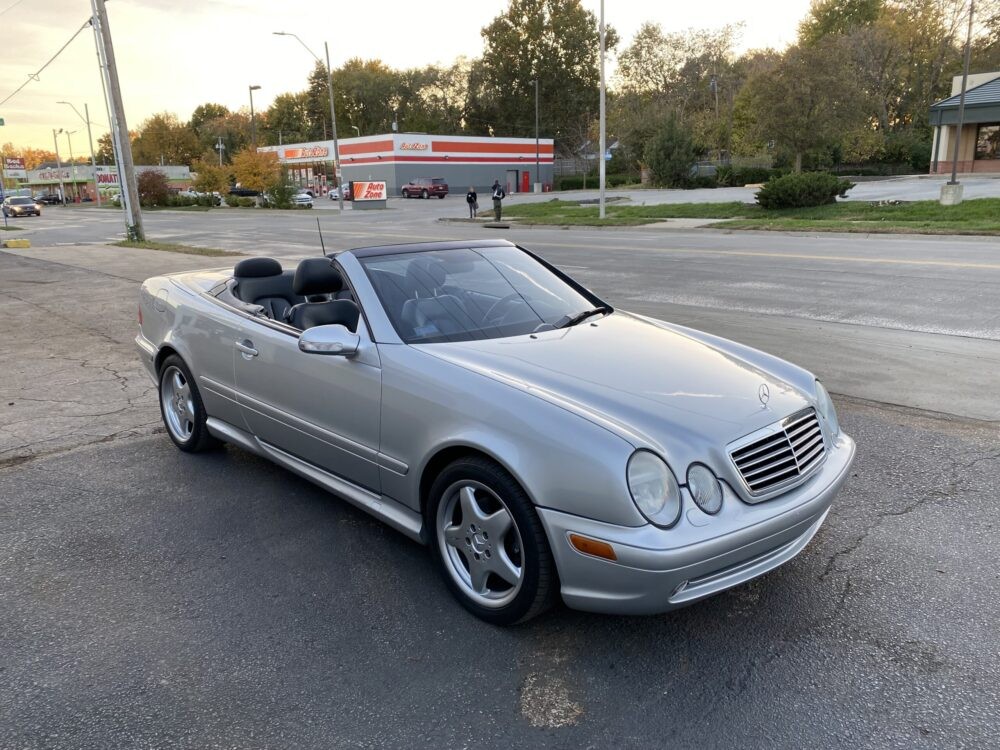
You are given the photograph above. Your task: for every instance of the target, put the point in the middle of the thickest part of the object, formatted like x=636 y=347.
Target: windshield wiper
x=580 y=317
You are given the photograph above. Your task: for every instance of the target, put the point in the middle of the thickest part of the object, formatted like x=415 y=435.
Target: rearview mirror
x=332 y=339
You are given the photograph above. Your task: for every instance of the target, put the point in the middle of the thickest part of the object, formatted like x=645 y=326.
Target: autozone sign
x=369 y=191
x=312 y=152
x=413 y=147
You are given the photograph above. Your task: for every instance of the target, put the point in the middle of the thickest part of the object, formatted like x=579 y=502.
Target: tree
x=210 y=177
x=807 y=101
x=105 y=153
x=257 y=170
x=33 y=157
x=286 y=120
x=828 y=17
x=670 y=154
x=154 y=189
x=162 y=138
x=318 y=103
x=368 y=92
x=553 y=41
x=206 y=113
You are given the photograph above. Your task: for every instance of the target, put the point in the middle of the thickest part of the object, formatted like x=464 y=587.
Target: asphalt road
x=151 y=598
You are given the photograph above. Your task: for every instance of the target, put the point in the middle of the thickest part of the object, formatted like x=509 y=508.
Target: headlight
x=705 y=488
x=826 y=409
x=654 y=488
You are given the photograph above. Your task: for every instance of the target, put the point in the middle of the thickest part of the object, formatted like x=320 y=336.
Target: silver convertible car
x=477 y=399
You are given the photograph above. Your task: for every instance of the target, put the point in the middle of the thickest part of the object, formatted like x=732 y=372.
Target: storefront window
x=988 y=142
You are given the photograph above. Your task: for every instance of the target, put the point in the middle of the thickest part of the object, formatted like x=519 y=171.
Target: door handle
x=246 y=346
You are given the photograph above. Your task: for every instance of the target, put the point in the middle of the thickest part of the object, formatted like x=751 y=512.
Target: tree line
x=855 y=88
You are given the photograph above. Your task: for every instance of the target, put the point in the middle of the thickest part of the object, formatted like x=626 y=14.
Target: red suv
x=425 y=187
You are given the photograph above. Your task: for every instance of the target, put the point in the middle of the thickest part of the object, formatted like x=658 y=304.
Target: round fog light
x=705 y=488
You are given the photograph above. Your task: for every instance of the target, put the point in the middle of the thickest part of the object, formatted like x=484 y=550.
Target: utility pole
x=220 y=147
x=90 y=141
x=333 y=127
x=603 y=166
x=538 y=171
x=961 y=101
x=253 y=122
x=62 y=188
x=119 y=128
x=72 y=160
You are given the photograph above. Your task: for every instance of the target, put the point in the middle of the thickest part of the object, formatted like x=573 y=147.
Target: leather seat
x=318 y=276
x=261 y=281
x=432 y=317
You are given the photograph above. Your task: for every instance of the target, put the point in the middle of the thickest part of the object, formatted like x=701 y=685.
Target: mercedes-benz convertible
x=542 y=443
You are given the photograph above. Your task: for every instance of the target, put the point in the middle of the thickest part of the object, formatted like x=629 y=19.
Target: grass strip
x=979 y=216
x=173 y=247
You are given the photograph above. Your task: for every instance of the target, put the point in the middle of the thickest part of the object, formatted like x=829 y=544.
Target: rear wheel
x=423 y=194
x=182 y=409
x=489 y=543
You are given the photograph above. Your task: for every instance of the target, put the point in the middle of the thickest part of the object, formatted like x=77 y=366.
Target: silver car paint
x=562 y=411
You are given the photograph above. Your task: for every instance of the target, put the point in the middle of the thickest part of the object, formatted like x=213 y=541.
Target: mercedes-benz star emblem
x=764 y=394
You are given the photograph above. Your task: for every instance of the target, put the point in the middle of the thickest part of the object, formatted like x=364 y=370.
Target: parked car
x=480 y=401
x=334 y=193
x=21 y=205
x=243 y=192
x=49 y=199
x=303 y=198
x=425 y=187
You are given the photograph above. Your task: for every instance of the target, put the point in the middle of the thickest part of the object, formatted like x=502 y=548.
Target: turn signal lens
x=593 y=547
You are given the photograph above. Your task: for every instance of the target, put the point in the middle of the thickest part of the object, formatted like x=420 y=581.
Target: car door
x=323 y=409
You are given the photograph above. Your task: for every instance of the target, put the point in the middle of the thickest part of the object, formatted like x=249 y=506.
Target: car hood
x=653 y=384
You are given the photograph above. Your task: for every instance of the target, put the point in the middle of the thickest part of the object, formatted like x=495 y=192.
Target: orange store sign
x=413 y=146
x=312 y=152
x=369 y=191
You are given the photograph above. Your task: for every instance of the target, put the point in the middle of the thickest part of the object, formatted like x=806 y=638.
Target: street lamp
x=603 y=127
x=357 y=130
x=951 y=192
x=333 y=111
x=62 y=187
x=72 y=161
x=253 y=123
x=90 y=140
x=538 y=173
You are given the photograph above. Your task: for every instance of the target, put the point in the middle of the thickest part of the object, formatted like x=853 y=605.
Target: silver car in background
x=477 y=399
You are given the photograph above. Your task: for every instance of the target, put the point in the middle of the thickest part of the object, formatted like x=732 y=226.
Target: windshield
x=466 y=294
x=20 y=201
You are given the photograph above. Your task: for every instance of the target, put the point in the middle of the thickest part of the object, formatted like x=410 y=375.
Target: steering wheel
x=512 y=297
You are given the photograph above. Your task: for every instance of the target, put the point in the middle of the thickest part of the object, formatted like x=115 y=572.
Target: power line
x=11 y=6
x=34 y=76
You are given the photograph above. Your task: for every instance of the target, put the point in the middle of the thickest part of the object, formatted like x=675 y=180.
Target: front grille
x=792 y=449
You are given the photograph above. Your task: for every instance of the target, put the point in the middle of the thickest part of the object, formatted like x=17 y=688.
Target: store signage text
x=413 y=147
x=306 y=153
x=369 y=191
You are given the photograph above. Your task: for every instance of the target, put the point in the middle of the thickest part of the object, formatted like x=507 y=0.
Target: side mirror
x=332 y=339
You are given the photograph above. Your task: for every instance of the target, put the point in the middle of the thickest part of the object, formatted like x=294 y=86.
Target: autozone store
x=397 y=158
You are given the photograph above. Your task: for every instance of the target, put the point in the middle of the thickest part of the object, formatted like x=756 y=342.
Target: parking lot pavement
x=152 y=598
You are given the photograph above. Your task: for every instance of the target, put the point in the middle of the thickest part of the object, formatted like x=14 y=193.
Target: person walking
x=498 y=196
x=473 y=200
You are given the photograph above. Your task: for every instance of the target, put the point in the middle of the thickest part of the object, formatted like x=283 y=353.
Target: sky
x=176 y=54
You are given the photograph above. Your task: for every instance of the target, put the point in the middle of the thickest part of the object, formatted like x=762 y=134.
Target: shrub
x=670 y=154
x=281 y=194
x=703 y=181
x=802 y=190
x=244 y=202
x=232 y=200
x=154 y=190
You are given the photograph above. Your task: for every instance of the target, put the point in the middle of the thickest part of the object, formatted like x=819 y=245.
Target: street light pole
x=961 y=98
x=603 y=165
x=62 y=188
x=90 y=141
x=333 y=111
x=253 y=123
x=72 y=160
x=538 y=171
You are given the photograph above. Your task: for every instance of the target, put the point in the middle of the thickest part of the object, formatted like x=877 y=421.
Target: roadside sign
x=13 y=168
x=369 y=191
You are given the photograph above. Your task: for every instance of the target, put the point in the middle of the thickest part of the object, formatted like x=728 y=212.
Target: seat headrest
x=317 y=276
x=425 y=275
x=253 y=268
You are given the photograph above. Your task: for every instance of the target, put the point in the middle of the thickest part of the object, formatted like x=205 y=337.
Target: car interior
x=314 y=294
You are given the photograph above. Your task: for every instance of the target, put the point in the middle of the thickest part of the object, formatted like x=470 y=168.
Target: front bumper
x=662 y=569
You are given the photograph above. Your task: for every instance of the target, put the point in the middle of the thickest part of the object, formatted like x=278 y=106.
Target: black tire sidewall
x=535 y=594
x=200 y=438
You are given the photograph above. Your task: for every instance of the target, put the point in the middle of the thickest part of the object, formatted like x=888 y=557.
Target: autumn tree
x=164 y=139
x=553 y=41
x=153 y=187
x=33 y=157
x=210 y=177
x=257 y=170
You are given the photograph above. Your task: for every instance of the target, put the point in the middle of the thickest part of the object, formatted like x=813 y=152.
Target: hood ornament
x=764 y=394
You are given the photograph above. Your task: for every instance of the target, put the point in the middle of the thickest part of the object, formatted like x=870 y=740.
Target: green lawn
x=173 y=247
x=9 y=228
x=981 y=216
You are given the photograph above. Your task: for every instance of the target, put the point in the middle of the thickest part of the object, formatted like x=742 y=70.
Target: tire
x=406 y=193
x=423 y=194
x=518 y=547
x=182 y=409
x=441 y=196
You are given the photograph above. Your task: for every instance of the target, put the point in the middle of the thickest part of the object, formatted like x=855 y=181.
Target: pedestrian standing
x=473 y=200
x=498 y=196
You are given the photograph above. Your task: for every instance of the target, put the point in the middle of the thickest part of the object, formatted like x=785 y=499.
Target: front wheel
x=423 y=194
x=489 y=543
x=441 y=197
x=182 y=409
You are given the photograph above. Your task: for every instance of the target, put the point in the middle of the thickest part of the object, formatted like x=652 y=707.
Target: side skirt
x=386 y=510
